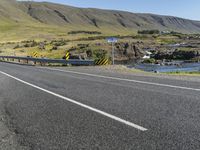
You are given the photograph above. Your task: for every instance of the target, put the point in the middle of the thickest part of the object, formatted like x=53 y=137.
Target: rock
x=130 y=51
x=178 y=54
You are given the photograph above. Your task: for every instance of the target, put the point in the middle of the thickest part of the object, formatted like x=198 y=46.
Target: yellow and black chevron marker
x=103 y=61
x=35 y=54
x=67 y=56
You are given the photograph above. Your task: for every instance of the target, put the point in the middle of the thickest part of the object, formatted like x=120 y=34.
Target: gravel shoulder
x=8 y=138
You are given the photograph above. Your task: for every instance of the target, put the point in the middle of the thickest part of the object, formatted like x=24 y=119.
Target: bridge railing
x=43 y=61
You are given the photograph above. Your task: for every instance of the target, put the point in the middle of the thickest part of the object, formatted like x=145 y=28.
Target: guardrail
x=44 y=61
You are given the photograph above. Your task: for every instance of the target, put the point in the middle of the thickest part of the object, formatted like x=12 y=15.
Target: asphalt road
x=85 y=108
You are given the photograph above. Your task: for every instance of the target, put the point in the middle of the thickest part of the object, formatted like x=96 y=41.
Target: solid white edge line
x=116 y=78
x=80 y=104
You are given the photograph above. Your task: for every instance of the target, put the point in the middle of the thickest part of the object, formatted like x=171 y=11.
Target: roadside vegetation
x=91 y=45
x=193 y=73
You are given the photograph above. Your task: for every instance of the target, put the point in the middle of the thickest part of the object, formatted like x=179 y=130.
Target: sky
x=189 y=9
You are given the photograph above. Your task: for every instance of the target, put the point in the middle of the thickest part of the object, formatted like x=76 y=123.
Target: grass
x=193 y=73
x=167 y=39
x=13 y=32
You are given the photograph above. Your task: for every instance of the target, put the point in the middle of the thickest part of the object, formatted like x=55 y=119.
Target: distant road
x=89 y=108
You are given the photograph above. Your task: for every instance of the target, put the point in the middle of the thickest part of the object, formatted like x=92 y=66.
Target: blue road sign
x=112 y=40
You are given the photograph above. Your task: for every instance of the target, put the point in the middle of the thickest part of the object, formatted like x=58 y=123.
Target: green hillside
x=61 y=15
x=34 y=20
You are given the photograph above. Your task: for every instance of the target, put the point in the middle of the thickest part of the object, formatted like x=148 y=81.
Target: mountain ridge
x=32 y=19
x=95 y=8
x=63 y=14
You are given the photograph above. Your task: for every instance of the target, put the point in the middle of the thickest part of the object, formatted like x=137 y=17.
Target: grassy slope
x=17 y=25
x=48 y=13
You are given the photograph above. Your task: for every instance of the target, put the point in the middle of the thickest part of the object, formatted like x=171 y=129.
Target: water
x=184 y=67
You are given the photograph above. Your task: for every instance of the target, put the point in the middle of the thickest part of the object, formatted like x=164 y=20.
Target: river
x=183 y=67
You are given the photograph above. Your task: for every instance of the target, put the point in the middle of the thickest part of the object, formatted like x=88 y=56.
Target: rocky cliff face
x=178 y=54
x=128 y=51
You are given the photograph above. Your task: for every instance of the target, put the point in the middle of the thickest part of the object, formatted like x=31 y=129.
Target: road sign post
x=113 y=54
x=112 y=40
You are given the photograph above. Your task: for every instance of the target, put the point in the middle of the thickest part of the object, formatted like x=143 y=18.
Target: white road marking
x=80 y=104
x=121 y=79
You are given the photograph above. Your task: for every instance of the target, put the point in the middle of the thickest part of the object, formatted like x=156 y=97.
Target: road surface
x=85 y=108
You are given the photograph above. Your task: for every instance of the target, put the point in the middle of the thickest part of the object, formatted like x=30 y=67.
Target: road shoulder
x=8 y=138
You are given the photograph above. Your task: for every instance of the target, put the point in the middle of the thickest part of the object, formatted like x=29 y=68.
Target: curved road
x=88 y=108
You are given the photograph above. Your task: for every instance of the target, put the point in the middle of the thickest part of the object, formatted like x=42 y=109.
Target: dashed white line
x=121 y=79
x=79 y=104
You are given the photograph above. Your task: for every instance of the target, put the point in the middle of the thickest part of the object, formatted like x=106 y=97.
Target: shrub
x=149 y=61
x=16 y=47
x=61 y=42
x=149 y=32
x=84 y=32
x=99 y=54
